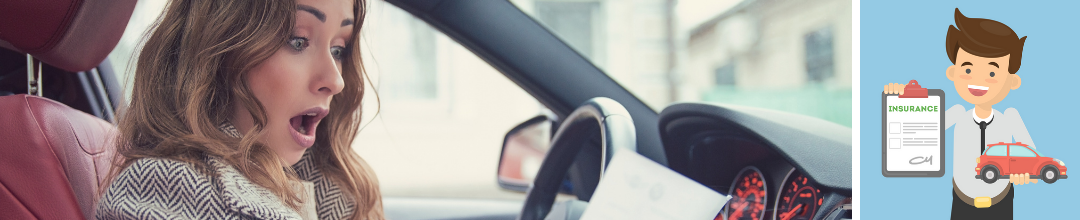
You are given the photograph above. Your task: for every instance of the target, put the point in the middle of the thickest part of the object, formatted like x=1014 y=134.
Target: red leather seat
x=53 y=158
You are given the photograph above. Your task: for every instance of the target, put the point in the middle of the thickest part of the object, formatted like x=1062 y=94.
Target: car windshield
x=766 y=54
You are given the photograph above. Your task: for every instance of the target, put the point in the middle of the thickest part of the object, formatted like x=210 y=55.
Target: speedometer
x=799 y=198
x=748 y=195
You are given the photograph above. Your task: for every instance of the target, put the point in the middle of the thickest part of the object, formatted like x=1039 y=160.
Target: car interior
x=58 y=124
x=794 y=145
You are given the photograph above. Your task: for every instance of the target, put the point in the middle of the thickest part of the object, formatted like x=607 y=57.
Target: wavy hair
x=193 y=66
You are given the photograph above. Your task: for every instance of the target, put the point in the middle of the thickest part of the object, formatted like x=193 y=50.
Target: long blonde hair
x=192 y=69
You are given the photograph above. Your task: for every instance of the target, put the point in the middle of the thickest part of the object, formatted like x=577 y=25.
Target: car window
x=444 y=111
x=999 y=150
x=123 y=57
x=1032 y=148
x=1020 y=151
x=666 y=51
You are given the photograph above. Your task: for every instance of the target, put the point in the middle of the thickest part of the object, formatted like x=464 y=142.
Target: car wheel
x=990 y=174
x=1050 y=174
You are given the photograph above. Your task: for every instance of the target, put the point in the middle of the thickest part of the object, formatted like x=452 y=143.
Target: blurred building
x=789 y=55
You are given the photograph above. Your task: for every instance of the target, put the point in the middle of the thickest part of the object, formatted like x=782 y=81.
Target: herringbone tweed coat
x=156 y=188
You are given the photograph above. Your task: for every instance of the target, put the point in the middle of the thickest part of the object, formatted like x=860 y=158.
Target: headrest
x=74 y=35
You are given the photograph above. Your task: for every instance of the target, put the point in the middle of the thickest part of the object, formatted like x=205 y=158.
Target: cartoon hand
x=895 y=88
x=1021 y=179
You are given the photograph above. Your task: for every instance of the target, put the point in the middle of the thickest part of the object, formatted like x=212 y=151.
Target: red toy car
x=1002 y=159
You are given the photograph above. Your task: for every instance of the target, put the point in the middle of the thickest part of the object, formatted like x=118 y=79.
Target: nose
x=327 y=79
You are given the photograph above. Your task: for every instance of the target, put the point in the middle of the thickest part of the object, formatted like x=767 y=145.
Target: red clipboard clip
x=914 y=90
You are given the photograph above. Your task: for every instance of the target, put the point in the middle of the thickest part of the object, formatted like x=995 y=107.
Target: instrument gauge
x=748 y=193
x=798 y=199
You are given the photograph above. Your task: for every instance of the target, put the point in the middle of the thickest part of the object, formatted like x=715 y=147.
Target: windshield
x=766 y=54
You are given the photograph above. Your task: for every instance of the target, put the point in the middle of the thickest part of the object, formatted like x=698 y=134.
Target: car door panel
x=999 y=157
x=1021 y=159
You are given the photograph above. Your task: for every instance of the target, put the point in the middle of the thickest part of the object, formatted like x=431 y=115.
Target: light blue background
x=905 y=40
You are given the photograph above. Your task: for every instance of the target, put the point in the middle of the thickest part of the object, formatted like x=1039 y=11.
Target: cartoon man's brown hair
x=984 y=38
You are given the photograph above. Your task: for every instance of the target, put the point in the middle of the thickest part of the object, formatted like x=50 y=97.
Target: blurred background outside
x=443 y=112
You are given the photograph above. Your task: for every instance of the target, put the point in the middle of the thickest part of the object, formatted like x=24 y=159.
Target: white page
x=913 y=137
x=634 y=187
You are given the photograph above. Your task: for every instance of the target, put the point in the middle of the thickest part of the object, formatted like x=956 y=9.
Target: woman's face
x=295 y=85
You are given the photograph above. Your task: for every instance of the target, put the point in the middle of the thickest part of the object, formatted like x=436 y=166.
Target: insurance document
x=913 y=133
x=634 y=187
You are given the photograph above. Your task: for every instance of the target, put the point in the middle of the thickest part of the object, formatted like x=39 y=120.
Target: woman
x=245 y=109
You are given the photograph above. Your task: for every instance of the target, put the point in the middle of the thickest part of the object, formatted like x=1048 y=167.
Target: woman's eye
x=968 y=71
x=298 y=43
x=991 y=74
x=338 y=52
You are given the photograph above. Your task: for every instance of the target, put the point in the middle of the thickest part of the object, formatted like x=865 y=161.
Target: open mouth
x=302 y=126
x=978 y=90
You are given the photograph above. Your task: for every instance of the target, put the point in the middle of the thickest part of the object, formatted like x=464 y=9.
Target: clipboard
x=912 y=132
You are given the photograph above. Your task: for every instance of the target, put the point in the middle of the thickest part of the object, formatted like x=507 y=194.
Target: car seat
x=54 y=158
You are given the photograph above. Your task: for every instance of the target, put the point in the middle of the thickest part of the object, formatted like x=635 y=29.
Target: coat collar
x=243 y=196
x=330 y=200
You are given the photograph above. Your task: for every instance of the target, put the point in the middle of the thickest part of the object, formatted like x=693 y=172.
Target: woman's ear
x=1015 y=80
x=949 y=72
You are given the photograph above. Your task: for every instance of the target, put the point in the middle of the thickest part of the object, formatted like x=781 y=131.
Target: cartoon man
x=986 y=56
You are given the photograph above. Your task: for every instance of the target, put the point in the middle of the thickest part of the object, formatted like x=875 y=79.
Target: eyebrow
x=966 y=64
x=995 y=64
x=321 y=16
x=318 y=14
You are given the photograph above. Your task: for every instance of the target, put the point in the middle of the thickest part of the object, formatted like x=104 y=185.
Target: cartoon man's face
x=982 y=80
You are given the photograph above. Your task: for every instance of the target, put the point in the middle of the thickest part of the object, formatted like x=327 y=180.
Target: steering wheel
x=617 y=134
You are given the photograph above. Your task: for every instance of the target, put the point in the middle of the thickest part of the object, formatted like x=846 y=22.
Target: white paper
x=913 y=137
x=634 y=187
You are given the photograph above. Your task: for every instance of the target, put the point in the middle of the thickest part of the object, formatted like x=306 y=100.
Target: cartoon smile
x=978 y=90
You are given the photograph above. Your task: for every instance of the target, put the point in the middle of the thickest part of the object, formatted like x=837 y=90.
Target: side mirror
x=523 y=151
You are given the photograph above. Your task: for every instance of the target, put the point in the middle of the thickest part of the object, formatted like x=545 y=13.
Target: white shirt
x=987 y=119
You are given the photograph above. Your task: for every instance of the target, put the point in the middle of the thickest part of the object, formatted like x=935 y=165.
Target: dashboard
x=774 y=165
